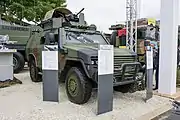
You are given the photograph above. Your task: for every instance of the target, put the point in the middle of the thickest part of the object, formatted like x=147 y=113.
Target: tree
x=31 y=10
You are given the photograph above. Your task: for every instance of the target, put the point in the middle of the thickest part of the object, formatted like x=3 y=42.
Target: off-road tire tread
x=85 y=82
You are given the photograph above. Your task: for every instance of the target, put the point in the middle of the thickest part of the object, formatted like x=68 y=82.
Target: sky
x=104 y=13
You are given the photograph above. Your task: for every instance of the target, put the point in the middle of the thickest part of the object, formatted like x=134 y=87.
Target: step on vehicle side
x=78 y=55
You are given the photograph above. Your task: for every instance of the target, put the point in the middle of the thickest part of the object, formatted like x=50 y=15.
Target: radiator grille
x=119 y=60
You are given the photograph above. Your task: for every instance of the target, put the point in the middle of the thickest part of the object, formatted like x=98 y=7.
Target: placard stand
x=149 y=73
x=50 y=75
x=105 y=78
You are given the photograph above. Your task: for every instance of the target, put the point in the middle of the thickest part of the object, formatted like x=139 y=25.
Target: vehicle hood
x=85 y=52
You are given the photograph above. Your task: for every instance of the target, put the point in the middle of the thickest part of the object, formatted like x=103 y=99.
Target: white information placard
x=105 y=60
x=50 y=60
x=149 y=59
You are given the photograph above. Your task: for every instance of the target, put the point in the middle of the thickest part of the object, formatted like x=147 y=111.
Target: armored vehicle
x=78 y=54
x=18 y=36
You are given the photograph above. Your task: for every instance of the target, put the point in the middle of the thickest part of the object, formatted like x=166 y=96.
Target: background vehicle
x=19 y=34
x=147 y=33
x=78 y=54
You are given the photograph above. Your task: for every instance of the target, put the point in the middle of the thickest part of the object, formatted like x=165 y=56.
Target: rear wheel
x=18 y=62
x=35 y=77
x=78 y=86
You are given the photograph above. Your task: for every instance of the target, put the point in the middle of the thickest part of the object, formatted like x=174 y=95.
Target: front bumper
x=127 y=73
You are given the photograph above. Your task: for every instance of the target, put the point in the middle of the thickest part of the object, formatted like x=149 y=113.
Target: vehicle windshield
x=85 y=37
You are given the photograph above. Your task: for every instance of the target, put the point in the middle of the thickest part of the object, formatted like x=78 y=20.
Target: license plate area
x=130 y=70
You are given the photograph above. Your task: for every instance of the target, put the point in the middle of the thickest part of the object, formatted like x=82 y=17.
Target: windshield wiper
x=81 y=40
x=87 y=39
x=75 y=37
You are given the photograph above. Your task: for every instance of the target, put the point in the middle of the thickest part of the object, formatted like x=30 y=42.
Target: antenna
x=80 y=11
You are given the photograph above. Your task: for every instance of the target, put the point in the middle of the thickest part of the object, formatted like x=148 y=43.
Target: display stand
x=6 y=64
x=149 y=73
x=105 y=78
x=50 y=74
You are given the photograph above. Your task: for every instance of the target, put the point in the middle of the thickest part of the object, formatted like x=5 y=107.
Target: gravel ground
x=24 y=102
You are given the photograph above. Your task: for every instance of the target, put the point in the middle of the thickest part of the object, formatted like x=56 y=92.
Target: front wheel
x=35 y=77
x=78 y=86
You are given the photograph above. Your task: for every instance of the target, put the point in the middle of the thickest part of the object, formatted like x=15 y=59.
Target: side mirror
x=49 y=38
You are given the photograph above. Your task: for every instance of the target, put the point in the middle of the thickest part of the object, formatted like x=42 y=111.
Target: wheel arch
x=32 y=57
x=83 y=93
x=72 y=62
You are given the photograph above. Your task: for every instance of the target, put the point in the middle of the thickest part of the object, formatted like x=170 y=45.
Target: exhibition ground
x=24 y=102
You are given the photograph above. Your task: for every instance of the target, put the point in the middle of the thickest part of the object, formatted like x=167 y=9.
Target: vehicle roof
x=50 y=13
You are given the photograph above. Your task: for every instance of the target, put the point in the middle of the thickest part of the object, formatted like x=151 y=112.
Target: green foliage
x=31 y=10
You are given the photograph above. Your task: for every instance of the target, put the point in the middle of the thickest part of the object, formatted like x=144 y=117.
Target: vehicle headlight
x=94 y=62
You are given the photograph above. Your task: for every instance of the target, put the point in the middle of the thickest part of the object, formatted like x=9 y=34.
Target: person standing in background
x=157 y=69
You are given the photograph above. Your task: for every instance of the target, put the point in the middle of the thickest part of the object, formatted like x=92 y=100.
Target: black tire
x=18 y=62
x=113 y=38
x=82 y=86
x=133 y=87
x=33 y=70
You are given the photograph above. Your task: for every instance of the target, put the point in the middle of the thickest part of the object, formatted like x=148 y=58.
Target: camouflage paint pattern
x=80 y=54
x=34 y=46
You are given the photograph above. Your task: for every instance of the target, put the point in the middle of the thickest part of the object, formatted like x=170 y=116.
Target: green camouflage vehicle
x=78 y=55
x=18 y=35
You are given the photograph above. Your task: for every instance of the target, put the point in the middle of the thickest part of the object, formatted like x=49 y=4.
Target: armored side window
x=42 y=41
